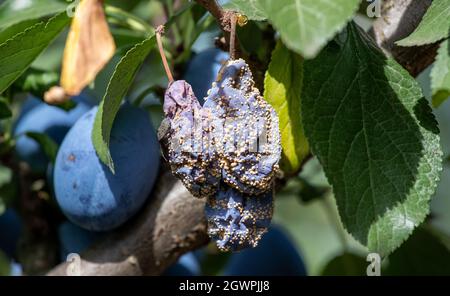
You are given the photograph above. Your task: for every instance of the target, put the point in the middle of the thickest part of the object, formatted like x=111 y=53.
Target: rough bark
x=399 y=19
x=171 y=224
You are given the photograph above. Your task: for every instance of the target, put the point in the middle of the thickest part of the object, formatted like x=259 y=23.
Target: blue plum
x=74 y=239
x=89 y=194
x=10 y=231
x=187 y=265
x=202 y=70
x=275 y=255
x=37 y=116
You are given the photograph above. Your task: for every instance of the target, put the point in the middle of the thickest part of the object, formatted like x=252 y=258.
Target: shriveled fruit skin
x=234 y=136
x=237 y=221
x=227 y=151
x=182 y=134
x=245 y=131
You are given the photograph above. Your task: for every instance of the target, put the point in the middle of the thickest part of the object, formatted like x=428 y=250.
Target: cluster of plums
x=95 y=200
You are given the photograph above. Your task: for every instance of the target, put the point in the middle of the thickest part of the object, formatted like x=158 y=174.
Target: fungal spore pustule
x=245 y=133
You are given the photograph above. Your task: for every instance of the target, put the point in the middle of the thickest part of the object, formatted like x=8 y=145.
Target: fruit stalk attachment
x=159 y=32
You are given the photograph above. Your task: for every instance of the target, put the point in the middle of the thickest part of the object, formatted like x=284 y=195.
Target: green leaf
x=253 y=9
x=307 y=25
x=374 y=133
x=346 y=264
x=282 y=89
x=434 y=26
x=13 y=11
x=15 y=29
x=118 y=86
x=5 y=112
x=49 y=146
x=440 y=75
x=37 y=82
x=422 y=254
x=18 y=53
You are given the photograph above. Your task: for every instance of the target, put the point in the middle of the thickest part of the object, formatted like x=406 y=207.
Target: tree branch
x=173 y=222
x=399 y=19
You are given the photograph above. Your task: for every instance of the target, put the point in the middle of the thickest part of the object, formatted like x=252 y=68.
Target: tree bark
x=172 y=223
x=399 y=19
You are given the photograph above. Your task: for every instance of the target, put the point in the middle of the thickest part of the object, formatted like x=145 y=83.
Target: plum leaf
x=5 y=111
x=15 y=29
x=118 y=86
x=251 y=8
x=440 y=75
x=374 y=133
x=17 y=53
x=46 y=143
x=283 y=85
x=433 y=27
x=423 y=254
x=13 y=11
x=305 y=26
x=346 y=264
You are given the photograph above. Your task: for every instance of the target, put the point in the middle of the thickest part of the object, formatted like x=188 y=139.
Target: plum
x=37 y=116
x=10 y=231
x=187 y=265
x=183 y=138
x=202 y=70
x=88 y=193
x=246 y=132
x=275 y=255
x=236 y=220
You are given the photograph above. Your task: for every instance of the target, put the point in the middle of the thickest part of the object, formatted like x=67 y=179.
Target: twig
x=233 y=37
x=160 y=31
x=399 y=19
x=224 y=19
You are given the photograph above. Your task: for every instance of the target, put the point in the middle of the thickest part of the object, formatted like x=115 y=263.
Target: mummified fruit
x=244 y=130
x=237 y=221
x=235 y=136
x=182 y=133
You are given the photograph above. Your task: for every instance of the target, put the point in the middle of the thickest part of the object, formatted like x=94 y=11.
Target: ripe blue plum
x=275 y=255
x=89 y=194
x=187 y=265
x=74 y=239
x=10 y=231
x=37 y=116
x=202 y=70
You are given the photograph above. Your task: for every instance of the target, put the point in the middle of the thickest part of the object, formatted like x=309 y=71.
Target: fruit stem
x=233 y=36
x=160 y=31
